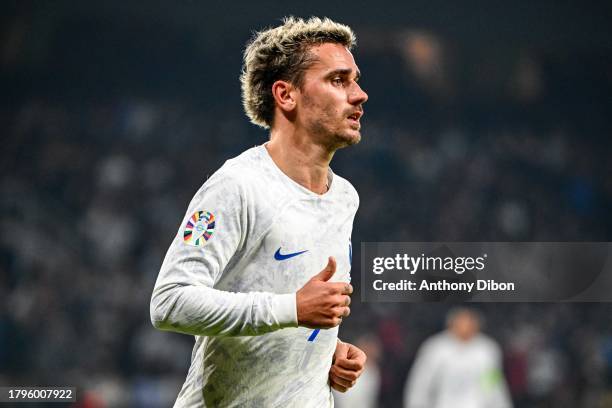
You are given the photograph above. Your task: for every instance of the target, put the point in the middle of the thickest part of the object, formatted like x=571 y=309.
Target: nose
x=358 y=95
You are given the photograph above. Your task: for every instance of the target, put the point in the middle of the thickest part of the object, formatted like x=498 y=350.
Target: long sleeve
x=200 y=310
x=495 y=383
x=208 y=241
x=419 y=388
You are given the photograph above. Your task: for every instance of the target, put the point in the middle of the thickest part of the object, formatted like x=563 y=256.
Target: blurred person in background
x=246 y=260
x=458 y=368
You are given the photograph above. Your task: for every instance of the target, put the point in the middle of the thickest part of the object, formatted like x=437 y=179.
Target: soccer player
x=259 y=269
x=458 y=368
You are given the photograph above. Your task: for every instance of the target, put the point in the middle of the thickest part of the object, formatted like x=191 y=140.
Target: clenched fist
x=347 y=365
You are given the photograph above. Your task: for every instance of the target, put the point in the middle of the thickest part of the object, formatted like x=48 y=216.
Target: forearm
x=204 y=311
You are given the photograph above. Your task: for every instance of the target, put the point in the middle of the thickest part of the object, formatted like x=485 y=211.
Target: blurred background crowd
x=483 y=124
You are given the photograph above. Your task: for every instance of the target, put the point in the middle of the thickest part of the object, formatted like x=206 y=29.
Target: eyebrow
x=344 y=71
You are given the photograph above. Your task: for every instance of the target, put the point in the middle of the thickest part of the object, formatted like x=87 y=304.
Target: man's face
x=330 y=100
x=465 y=326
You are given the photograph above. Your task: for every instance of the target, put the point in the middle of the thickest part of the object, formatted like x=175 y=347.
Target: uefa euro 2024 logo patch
x=199 y=228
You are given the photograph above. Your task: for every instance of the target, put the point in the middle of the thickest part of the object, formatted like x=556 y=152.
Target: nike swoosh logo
x=281 y=257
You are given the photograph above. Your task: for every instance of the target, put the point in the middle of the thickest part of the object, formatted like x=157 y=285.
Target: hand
x=347 y=365
x=322 y=304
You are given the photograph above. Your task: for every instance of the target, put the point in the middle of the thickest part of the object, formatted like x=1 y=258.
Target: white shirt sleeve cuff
x=285 y=309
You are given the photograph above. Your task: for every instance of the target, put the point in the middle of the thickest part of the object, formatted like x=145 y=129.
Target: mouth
x=354 y=118
x=356 y=115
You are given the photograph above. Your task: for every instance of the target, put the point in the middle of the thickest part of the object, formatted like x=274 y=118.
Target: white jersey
x=250 y=239
x=449 y=373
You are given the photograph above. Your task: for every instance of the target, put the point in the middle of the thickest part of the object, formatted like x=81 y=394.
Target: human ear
x=283 y=94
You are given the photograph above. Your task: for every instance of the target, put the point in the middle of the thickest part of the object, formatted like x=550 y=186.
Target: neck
x=301 y=159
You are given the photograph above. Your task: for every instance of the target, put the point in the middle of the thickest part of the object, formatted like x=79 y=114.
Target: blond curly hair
x=282 y=53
